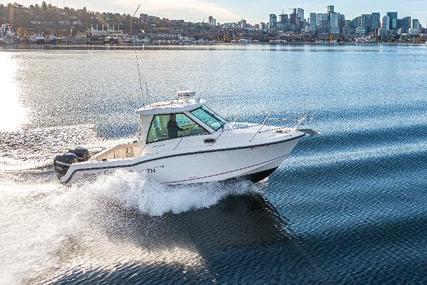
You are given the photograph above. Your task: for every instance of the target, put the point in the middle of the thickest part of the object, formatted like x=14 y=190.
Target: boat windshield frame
x=147 y=140
x=212 y=114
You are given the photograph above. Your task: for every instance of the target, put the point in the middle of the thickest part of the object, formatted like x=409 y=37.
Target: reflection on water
x=12 y=114
x=176 y=246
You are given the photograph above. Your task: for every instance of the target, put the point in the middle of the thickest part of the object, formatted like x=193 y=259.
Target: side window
x=158 y=129
x=172 y=126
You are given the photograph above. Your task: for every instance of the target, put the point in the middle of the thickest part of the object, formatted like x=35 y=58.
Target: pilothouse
x=183 y=141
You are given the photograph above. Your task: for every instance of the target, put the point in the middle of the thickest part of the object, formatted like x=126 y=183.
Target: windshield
x=208 y=117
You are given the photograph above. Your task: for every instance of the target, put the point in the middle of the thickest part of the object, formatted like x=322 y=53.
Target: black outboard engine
x=81 y=152
x=61 y=163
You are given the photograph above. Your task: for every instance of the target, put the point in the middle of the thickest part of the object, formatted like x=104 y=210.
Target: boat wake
x=46 y=226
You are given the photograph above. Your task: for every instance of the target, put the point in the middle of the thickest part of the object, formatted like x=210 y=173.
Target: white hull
x=254 y=161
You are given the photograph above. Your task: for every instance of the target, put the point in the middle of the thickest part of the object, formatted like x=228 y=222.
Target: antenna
x=139 y=75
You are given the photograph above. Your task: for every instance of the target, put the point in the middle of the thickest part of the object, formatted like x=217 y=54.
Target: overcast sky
x=252 y=10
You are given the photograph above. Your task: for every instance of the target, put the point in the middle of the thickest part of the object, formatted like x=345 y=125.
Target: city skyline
x=252 y=11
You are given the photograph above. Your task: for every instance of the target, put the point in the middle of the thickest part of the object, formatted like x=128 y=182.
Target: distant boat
x=111 y=39
x=53 y=39
x=8 y=35
x=243 y=41
x=38 y=39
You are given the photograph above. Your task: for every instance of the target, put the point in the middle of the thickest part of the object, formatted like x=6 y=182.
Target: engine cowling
x=81 y=152
x=61 y=163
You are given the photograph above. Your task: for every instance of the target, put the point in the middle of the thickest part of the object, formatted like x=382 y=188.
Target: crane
x=131 y=19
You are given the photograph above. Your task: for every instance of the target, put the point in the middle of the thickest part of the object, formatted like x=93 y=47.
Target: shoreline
x=185 y=46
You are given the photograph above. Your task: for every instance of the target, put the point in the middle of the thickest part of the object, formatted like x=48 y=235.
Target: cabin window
x=208 y=117
x=173 y=126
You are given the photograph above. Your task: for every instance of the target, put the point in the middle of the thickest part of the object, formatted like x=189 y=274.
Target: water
x=349 y=206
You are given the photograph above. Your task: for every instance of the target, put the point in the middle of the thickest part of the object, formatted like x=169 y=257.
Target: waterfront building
x=416 y=25
x=393 y=20
x=386 y=23
x=313 y=22
x=405 y=24
x=283 y=22
x=273 y=21
x=365 y=22
x=360 y=31
x=300 y=14
x=322 y=23
x=375 y=21
x=383 y=34
x=334 y=23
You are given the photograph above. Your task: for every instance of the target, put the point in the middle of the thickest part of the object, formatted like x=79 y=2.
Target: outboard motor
x=81 y=152
x=61 y=163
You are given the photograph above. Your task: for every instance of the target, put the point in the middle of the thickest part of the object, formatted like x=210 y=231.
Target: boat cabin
x=185 y=116
x=162 y=121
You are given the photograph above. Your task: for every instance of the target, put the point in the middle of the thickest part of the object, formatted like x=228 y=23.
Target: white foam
x=37 y=221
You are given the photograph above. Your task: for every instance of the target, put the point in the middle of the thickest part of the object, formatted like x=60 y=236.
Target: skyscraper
x=405 y=24
x=334 y=23
x=416 y=24
x=375 y=21
x=273 y=21
x=313 y=22
x=393 y=20
x=386 y=23
x=331 y=9
x=365 y=22
x=283 y=22
x=300 y=14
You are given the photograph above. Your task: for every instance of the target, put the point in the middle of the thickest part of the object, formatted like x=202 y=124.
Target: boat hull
x=254 y=162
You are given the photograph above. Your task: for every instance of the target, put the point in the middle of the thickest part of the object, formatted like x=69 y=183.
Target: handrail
x=262 y=126
x=178 y=143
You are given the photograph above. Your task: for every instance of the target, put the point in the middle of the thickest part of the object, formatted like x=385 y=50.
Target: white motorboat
x=182 y=141
x=38 y=39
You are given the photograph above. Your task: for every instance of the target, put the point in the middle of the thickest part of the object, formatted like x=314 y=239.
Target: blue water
x=348 y=207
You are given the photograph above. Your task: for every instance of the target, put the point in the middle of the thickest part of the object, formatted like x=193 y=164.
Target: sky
x=254 y=11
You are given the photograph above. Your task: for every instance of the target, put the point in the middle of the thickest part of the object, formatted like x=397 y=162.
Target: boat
x=8 y=35
x=38 y=39
x=182 y=141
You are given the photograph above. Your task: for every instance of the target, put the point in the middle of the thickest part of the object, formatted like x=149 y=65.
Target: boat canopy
x=155 y=117
x=170 y=107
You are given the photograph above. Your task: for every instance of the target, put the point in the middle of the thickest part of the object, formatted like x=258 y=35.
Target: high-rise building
x=283 y=22
x=300 y=14
x=375 y=21
x=334 y=23
x=283 y=18
x=365 y=21
x=386 y=23
x=416 y=24
x=331 y=9
x=313 y=22
x=273 y=21
x=405 y=24
x=393 y=20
